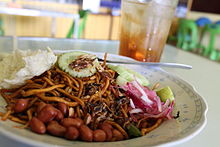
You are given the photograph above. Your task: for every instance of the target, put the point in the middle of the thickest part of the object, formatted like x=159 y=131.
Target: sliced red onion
x=144 y=96
x=137 y=110
x=132 y=104
x=143 y=100
x=159 y=105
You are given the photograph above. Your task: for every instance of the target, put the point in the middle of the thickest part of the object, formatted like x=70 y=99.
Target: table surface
x=204 y=76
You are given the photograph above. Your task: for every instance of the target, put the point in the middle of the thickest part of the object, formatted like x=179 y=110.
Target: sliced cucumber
x=133 y=131
x=65 y=59
x=165 y=93
x=140 y=78
x=121 y=80
x=128 y=75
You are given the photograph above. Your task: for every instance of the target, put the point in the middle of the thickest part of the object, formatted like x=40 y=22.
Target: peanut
x=47 y=113
x=80 y=120
x=67 y=122
x=59 y=115
x=99 y=135
x=21 y=105
x=107 y=128
x=86 y=134
x=63 y=108
x=56 y=129
x=40 y=106
x=72 y=133
x=117 y=135
x=37 y=126
x=52 y=122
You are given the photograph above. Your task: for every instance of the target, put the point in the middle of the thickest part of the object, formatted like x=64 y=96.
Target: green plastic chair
x=209 y=50
x=187 y=35
x=215 y=55
x=83 y=15
x=1 y=28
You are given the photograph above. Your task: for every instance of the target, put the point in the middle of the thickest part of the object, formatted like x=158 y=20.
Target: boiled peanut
x=37 y=126
x=59 y=115
x=117 y=135
x=52 y=122
x=80 y=120
x=56 y=129
x=108 y=130
x=21 y=105
x=72 y=133
x=47 y=113
x=99 y=135
x=63 y=108
x=67 y=122
x=107 y=125
x=86 y=134
x=40 y=106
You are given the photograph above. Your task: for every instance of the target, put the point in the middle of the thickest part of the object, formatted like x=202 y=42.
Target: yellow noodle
x=35 y=91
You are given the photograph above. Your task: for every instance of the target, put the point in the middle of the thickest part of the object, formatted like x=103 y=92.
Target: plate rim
x=204 y=114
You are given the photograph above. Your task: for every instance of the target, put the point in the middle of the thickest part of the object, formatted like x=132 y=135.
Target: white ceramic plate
x=192 y=118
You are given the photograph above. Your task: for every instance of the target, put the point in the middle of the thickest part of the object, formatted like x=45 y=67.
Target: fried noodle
x=97 y=95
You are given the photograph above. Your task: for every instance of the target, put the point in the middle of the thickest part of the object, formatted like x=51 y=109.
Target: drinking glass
x=145 y=26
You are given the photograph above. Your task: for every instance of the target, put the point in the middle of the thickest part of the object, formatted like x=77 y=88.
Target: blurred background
x=195 y=27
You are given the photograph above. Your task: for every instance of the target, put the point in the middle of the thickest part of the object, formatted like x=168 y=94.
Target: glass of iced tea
x=145 y=26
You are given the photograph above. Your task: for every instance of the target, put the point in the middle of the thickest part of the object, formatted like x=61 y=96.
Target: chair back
x=202 y=21
x=212 y=30
x=187 y=34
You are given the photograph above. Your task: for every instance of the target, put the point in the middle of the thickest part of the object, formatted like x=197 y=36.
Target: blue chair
x=202 y=21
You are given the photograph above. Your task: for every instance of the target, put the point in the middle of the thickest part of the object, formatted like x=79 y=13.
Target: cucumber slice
x=140 y=78
x=133 y=131
x=165 y=93
x=118 y=68
x=121 y=80
x=65 y=59
x=129 y=75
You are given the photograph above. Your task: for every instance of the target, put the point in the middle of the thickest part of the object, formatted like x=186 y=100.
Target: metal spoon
x=161 y=64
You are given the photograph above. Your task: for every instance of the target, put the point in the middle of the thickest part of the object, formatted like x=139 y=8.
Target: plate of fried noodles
x=82 y=101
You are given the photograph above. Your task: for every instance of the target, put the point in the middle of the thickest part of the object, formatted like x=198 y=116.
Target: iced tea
x=145 y=26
